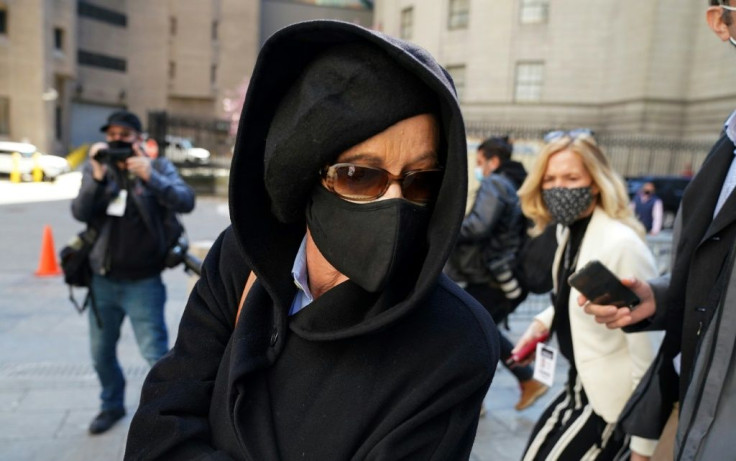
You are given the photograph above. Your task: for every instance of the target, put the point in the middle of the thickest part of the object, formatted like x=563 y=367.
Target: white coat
x=610 y=363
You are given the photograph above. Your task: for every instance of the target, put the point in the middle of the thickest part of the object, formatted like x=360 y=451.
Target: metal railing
x=630 y=154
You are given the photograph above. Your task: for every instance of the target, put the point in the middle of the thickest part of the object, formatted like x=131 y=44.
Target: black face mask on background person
x=566 y=204
x=367 y=242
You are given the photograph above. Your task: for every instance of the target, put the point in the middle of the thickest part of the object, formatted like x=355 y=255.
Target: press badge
x=545 y=363
x=117 y=205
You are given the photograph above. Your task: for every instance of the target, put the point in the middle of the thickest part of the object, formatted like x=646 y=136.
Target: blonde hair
x=612 y=197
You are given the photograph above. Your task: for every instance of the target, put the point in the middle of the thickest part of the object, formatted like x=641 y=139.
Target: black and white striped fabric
x=569 y=429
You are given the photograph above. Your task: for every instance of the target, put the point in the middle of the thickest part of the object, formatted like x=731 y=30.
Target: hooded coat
x=398 y=374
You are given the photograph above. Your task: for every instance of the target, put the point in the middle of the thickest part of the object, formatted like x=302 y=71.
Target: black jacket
x=400 y=374
x=687 y=299
x=133 y=246
x=514 y=171
x=491 y=234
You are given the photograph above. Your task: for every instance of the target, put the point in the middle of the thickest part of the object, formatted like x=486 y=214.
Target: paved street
x=48 y=389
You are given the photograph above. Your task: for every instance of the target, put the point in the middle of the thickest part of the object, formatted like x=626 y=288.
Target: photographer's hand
x=139 y=164
x=98 y=169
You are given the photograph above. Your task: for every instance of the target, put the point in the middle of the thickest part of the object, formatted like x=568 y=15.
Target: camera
x=114 y=155
x=116 y=151
x=179 y=254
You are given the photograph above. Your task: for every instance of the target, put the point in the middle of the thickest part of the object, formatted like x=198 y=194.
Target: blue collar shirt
x=303 y=296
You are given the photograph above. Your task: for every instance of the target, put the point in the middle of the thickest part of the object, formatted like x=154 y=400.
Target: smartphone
x=601 y=286
x=525 y=351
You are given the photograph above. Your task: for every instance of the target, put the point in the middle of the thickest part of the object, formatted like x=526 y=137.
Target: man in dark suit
x=696 y=304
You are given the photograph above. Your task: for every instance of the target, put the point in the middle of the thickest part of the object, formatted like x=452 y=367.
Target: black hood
x=514 y=172
x=270 y=245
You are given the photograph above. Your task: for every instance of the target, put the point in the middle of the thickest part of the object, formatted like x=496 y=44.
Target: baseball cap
x=125 y=119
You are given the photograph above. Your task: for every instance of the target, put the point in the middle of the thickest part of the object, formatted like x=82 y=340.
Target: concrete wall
x=238 y=46
x=277 y=14
x=22 y=74
x=629 y=66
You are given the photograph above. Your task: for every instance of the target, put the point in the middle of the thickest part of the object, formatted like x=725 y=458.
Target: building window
x=172 y=70
x=459 y=14
x=3 y=21
x=4 y=115
x=172 y=25
x=58 y=39
x=529 y=81
x=88 y=58
x=534 y=11
x=458 y=77
x=407 y=23
x=57 y=122
x=99 y=13
x=213 y=74
x=215 y=26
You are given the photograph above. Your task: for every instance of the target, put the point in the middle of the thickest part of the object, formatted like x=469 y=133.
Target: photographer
x=131 y=200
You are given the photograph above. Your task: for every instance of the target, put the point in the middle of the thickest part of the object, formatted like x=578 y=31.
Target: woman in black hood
x=347 y=191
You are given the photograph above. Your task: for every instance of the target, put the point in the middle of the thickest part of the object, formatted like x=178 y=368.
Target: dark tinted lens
x=421 y=186
x=359 y=182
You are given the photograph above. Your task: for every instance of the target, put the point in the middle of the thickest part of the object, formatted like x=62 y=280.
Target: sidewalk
x=48 y=389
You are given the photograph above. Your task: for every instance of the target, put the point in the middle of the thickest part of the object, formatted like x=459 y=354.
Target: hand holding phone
x=601 y=286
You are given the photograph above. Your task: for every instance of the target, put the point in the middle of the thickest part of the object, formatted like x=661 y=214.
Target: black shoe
x=105 y=420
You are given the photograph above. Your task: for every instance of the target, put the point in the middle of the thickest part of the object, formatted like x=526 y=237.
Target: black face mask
x=367 y=242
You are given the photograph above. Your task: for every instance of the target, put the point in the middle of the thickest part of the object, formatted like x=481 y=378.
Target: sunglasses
x=572 y=134
x=364 y=183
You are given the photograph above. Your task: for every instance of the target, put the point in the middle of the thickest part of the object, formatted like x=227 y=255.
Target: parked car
x=51 y=165
x=667 y=188
x=180 y=150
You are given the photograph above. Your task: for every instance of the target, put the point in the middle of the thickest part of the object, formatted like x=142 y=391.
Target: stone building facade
x=66 y=64
x=649 y=68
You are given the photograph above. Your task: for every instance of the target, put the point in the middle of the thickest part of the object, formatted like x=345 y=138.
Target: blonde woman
x=573 y=185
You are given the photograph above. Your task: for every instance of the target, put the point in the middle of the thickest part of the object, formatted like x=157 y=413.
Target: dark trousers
x=499 y=307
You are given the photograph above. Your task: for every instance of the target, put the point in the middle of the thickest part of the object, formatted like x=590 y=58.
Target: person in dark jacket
x=498 y=152
x=648 y=208
x=692 y=383
x=347 y=191
x=130 y=200
x=485 y=258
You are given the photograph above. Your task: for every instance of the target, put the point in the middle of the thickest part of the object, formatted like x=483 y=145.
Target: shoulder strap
x=248 y=284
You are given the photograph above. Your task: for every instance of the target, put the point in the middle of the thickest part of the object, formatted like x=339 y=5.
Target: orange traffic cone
x=47 y=265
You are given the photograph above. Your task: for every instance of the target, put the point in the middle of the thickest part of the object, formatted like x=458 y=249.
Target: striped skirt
x=570 y=430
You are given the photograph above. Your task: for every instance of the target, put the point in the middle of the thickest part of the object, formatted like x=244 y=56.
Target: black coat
x=491 y=235
x=688 y=298
x=398 y=374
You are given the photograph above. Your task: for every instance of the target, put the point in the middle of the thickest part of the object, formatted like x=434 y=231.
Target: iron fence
x=630 y=154
x=212 y=134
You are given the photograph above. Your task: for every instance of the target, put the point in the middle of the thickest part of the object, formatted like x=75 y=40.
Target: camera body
x=178 y=254
x=112 y=155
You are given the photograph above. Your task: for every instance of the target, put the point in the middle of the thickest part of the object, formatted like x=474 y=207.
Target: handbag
x=535 y=260
x=77 y=271
x=75 y=258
